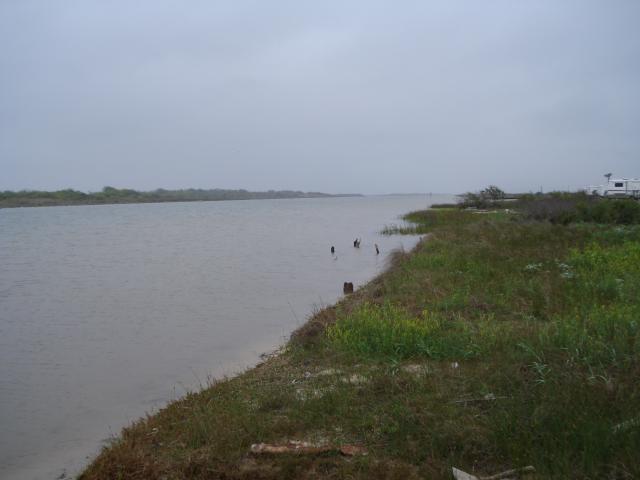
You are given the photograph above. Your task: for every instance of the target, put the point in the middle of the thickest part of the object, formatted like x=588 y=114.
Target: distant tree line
x=110 y=195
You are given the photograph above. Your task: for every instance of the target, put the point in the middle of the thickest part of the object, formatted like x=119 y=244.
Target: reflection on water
x=108 y=312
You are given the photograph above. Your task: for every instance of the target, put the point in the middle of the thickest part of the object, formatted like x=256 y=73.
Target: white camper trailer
x=621 y=187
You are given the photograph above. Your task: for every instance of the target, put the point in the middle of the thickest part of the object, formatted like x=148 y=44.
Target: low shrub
x=564 y=208
x=617 y=211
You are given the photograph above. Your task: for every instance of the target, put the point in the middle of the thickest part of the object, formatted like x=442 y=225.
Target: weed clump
x=390 y=332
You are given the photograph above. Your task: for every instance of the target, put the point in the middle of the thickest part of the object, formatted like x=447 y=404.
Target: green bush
x=487 y=198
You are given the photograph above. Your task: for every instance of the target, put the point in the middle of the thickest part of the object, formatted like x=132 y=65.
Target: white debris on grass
x=327 y=372
x=533 y=267
x=304 y=394
x=355 y=379
x=416 y=368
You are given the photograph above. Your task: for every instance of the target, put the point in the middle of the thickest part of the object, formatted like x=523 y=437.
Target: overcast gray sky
x=336 y=96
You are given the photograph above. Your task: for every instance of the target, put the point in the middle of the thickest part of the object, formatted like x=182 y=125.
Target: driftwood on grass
x=306 y=448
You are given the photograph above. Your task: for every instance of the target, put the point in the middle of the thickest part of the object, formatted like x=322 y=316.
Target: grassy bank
x=498 y=342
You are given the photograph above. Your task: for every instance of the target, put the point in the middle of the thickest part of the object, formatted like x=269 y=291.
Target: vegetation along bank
x=507 y=338
x=111 y=195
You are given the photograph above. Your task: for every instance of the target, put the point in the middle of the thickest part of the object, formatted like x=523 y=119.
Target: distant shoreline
x=114 y=196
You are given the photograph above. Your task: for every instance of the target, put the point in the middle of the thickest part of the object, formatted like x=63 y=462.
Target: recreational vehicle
x=621 y=187
x=617 y=187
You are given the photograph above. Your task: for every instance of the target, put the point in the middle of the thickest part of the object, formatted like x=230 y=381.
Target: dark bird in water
x=356 y=243
x=333 y=250
x=377 y=249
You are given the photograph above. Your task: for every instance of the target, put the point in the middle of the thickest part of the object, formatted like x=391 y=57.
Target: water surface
x=108 y=312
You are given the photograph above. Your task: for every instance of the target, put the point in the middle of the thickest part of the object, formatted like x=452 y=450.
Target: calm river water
x=108 y=312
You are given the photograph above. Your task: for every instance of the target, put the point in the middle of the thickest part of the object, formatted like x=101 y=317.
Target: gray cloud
x=334 y=96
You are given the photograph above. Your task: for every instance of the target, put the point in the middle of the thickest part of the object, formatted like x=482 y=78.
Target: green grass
x=555 y=308
x=425 y=221
x=390 y=332
x=499 y=342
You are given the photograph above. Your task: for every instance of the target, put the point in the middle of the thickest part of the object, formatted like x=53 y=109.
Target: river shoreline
x=436 y=363
x=271 y=361
x=110 y=312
